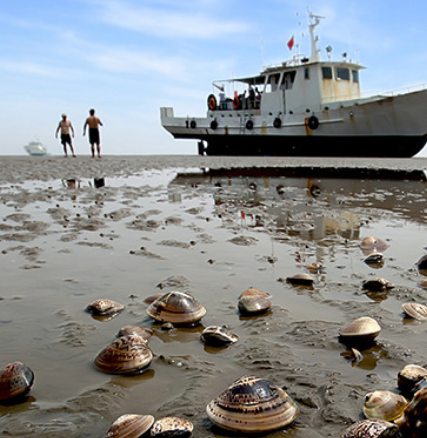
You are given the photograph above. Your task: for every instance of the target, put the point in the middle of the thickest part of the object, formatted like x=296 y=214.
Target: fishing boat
x=306 y=107
x=35 y=149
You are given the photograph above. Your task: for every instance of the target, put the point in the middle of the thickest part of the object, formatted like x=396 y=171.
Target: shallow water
x=213 y=234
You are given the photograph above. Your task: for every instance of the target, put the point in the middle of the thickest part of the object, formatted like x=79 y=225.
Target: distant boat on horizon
x=35 y=149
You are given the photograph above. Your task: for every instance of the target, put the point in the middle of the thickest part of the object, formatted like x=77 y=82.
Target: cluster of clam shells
x=393 y=414
x=134 y=426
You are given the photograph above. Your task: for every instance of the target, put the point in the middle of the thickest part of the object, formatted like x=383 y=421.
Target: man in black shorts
x=93 y=122
x=65 y=126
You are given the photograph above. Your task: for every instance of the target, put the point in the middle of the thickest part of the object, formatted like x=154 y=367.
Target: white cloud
x=167 y=23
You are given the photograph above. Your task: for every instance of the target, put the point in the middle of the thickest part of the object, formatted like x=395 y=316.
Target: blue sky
x=127 y=58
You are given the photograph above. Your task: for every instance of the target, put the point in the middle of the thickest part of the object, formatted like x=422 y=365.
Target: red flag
x=291 y=43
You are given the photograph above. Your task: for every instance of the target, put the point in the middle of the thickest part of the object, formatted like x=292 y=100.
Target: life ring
x=249 y=124
x=277 y=123
x=214 y=124
x=212 y=102
x=193 y=124
x=236 y=102
x=313 y=122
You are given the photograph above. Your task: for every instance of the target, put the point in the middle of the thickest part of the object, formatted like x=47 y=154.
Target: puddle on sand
x=213 y=234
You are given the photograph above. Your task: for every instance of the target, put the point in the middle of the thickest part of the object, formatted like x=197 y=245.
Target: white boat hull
x=392 y=126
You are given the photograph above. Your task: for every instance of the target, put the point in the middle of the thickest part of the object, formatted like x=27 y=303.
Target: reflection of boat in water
x=35 y=149
x=311 y=206
x=306 y=107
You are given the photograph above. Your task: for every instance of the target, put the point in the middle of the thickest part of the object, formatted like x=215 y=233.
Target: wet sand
x=160 y=223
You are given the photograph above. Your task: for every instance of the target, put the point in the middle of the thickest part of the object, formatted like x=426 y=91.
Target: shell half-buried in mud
x=372 y=243
x=16 y=380
x=126 y=355
x=144 y=333
x=375 y=259
x=377 y=284
x=217 y=336
x=104 y=307
x=409 y=376
x=414 y=422
x=253 y=305
x=177 y=308
x=384 y=405
x=371 y=429
x=361 y=329
x=253 y=291
x=172 y=427
x=415 y=310
x=252 y=405
x=130 y=426
x=301 y=279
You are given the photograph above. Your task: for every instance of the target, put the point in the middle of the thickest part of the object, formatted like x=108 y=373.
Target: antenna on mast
x=314 y=21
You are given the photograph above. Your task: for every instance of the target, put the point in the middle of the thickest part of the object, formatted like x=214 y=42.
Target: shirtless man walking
x=65 y=126
x=93 y=122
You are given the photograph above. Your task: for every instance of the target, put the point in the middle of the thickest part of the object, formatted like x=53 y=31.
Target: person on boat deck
x=242 y=100
x=65 y=126
x=257 y=98
x=251 y=97
x=222 y=99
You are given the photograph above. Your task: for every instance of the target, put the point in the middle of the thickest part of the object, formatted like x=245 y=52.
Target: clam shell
x=151 y=298
x=301 y=278
x=252 y=405
x=144 y=333
x=409 y=376
x=130 y=426
x=414 y=422
x=171 y=427
x=375 y=258
x=364 y=328
x=377 y=284
x=104 y=307
x=371 y=429
x=415 y=310
x=252 y=291
x=126 y=355
x=253 y=305
x=373 y=243
x=215 y=335
x=384 y=405
x=422 y=262
x=16 y=380
x=177 y=308
x=423 y=284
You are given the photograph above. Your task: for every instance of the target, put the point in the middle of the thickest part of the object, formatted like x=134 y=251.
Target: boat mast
x=314 y=22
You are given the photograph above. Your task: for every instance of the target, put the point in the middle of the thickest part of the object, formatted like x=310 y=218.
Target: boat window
x=273 y=81
x=343 y=73
x=355 y=75
x=306 y=73
x=288 y=80
x=327 y=72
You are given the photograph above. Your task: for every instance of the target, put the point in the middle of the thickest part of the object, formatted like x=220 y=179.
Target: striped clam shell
x=172 y=427
x=373 y=243
x=216 y=335
x=384 y=405
x=252 y=405
x=130 y=426
x=253 y=305
x=176 y=307
x=126 y=355
x=104 y=307
x=301 y=279
x=415 y=310
x=16 y=380
x=371 y=429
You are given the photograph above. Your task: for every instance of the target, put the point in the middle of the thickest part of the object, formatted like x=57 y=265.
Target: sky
x=128 y=58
